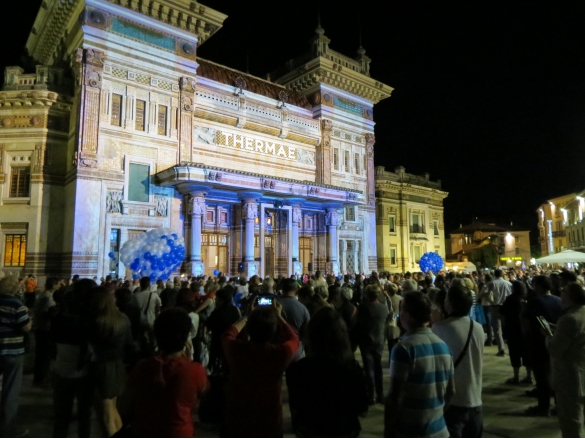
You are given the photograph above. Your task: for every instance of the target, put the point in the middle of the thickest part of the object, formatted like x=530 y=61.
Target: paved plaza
x=503 y=407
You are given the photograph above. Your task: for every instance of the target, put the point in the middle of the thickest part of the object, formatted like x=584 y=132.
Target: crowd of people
x=145 y=358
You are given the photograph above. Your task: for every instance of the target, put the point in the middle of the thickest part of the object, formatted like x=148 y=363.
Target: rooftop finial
x=319 y=30
x=361 y=51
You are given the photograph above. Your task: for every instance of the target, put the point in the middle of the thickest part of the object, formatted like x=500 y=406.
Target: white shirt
x=468 y=374
x=140 y=299
x=501 y=288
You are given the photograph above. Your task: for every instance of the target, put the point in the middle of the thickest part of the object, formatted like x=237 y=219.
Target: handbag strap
x=466 y=347
x=145 y=310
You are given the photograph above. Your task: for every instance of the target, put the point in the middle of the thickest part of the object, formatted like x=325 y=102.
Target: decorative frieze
x=114 y=201
x=161 y=203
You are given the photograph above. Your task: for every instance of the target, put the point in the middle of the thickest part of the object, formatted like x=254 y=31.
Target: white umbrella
x=562 y=257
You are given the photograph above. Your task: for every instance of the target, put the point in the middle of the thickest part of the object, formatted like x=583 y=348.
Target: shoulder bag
x=466 y=347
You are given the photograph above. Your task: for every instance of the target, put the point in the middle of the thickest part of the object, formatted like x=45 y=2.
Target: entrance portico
x=260 y=220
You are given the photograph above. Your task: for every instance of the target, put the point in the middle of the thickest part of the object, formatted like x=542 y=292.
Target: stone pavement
x=503 y=406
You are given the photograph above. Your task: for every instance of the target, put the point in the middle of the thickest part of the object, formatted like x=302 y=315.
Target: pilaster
x=187 y=99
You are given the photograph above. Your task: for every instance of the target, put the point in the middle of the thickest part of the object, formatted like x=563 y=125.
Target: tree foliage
x=485 y=256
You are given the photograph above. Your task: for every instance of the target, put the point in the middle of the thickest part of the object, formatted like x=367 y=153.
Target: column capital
x=197 y=205
x=331 y=218
x=250 y=196
x=250 y=209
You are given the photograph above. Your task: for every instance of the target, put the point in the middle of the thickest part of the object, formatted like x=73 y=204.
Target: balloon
x=111 y=255
x=170 y=242
x=147 y=255
x=215 y=272
x=164 y=237
x=431 y=261
x=174 y=235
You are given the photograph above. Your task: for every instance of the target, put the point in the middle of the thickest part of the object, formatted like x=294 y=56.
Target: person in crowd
x=41 y=327
x=415 y=404
x=342 y=305
x=567 y=351
x=163 y=390
x=313 y=302
x=499 y=289
x=409 y=285
x=542 y=304
x=358 y=291
x=319 y=281
x=268 y=287
x=30 y=291
x=125 y=306
x=242 y=288
x=320 y=406
x=465 y=339
x=110 y=338
x=486 y=297
x=71 y=379
x=148 y=301
x=253 y=397
x=14 y=324
x=168 y=296
x=223 y=316
x=511 y=311
x=369 y=330
x=294 y=313
x=393 y=302
x=438 y=311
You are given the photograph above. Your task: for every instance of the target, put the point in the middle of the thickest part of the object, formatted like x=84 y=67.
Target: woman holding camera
x=253 y=398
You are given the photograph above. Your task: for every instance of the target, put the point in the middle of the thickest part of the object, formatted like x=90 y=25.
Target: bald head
x=9 y=286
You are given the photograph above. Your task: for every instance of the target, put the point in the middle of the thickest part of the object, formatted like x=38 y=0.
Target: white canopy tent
x=562 y=257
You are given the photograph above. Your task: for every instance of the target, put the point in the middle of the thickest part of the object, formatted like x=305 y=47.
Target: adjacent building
x=552 y=222
x=409 y=219
x=573 y=224
x=512 y=243
x=123 y=128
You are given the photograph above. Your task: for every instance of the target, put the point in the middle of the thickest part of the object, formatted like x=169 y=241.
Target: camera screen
x=264 y=301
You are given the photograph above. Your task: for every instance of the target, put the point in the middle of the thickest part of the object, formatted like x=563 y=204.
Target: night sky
x=489 y=97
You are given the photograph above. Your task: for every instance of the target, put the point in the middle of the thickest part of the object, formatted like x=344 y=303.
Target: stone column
x=331 y=221
x=122 y=270
x=549 y=235
x=343 y=256
x=249 y=215
x=197 y=212
x=297 y=218
x=187 y=86
x=356 y=255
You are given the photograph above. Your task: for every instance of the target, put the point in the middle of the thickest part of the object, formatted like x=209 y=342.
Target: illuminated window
x=417 y=224
x=210 y=217
x=392 y=223
x=140 y=115
x=436 y=228
x=346 y=160
x=162 y=120
x=224 y=217
x=417 y=253
x=336 y=159
x=350 y=214
x=15 y=251
x=357 y=163
x=139 y=183
x=393 y=256
x=116 y=110
x=20 y=182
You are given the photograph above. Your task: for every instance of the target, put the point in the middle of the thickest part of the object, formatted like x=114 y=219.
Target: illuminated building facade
x=552 y=222
x=574 y=226
x=122 y=128
x=512 y=243
x=409 y=219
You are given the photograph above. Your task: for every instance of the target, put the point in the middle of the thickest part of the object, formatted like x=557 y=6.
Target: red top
x=253 y=405
x=165 y=391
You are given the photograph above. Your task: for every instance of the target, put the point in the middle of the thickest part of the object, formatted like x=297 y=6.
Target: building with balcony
x=573 y=223
x=409 y=219
x=512 y=243
x=552 y=222
x=123 y=129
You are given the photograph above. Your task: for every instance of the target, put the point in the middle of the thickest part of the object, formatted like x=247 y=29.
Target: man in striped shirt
x=421 y=375
x=14 y=322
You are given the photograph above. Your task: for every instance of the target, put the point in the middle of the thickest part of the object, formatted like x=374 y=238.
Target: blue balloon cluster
x=430 y=261
x=155 y=254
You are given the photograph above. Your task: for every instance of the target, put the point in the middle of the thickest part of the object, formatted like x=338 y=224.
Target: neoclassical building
x=409 y=219
x=123 y=128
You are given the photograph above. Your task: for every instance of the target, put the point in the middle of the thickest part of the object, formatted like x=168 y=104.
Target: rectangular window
x=516 y=239
x=20 y=182
x=517 y=251
x=140 y=115
x=350 y=214
x=210 y=217
x=393 y=256
x=436 y=227
x=139 y=183
x=162 y=120
x=224 y=217
x=417 y=224
x=392 y=223
x=346 y=160
x=417 y=254
x=15 y=251
x=116 y=110
x=336 y=159
x=357 y=163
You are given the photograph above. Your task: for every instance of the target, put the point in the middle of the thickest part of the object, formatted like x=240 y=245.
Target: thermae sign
x=238 y=141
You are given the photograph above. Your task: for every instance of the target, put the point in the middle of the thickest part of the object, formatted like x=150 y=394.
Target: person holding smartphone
x=253 y=395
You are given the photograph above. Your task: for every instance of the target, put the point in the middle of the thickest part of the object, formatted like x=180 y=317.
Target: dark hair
x=123 y=296
x=171 y=330
x=372 y=293
x=288 y=285
x=488 y=278
x=498 y=272
x=568 y=276
x=225 y=295
x=305 y=293
x=575 y=293
x=104 y=317
x=262 y=324
x=51 y=282
x=518 y=288
x=542 y=282
x=317 y=274
x=460 y=301
x=327 y=337
x=418 y=305
x=144 y=283
x=428 y=281
x=185 y=299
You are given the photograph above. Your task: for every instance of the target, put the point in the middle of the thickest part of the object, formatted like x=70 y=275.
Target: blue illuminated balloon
x=174 y=235
x=147 y=256
x=170 y=242
x=431 y=261
x=164 y=237
x=215 y=272
x=111 y=255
